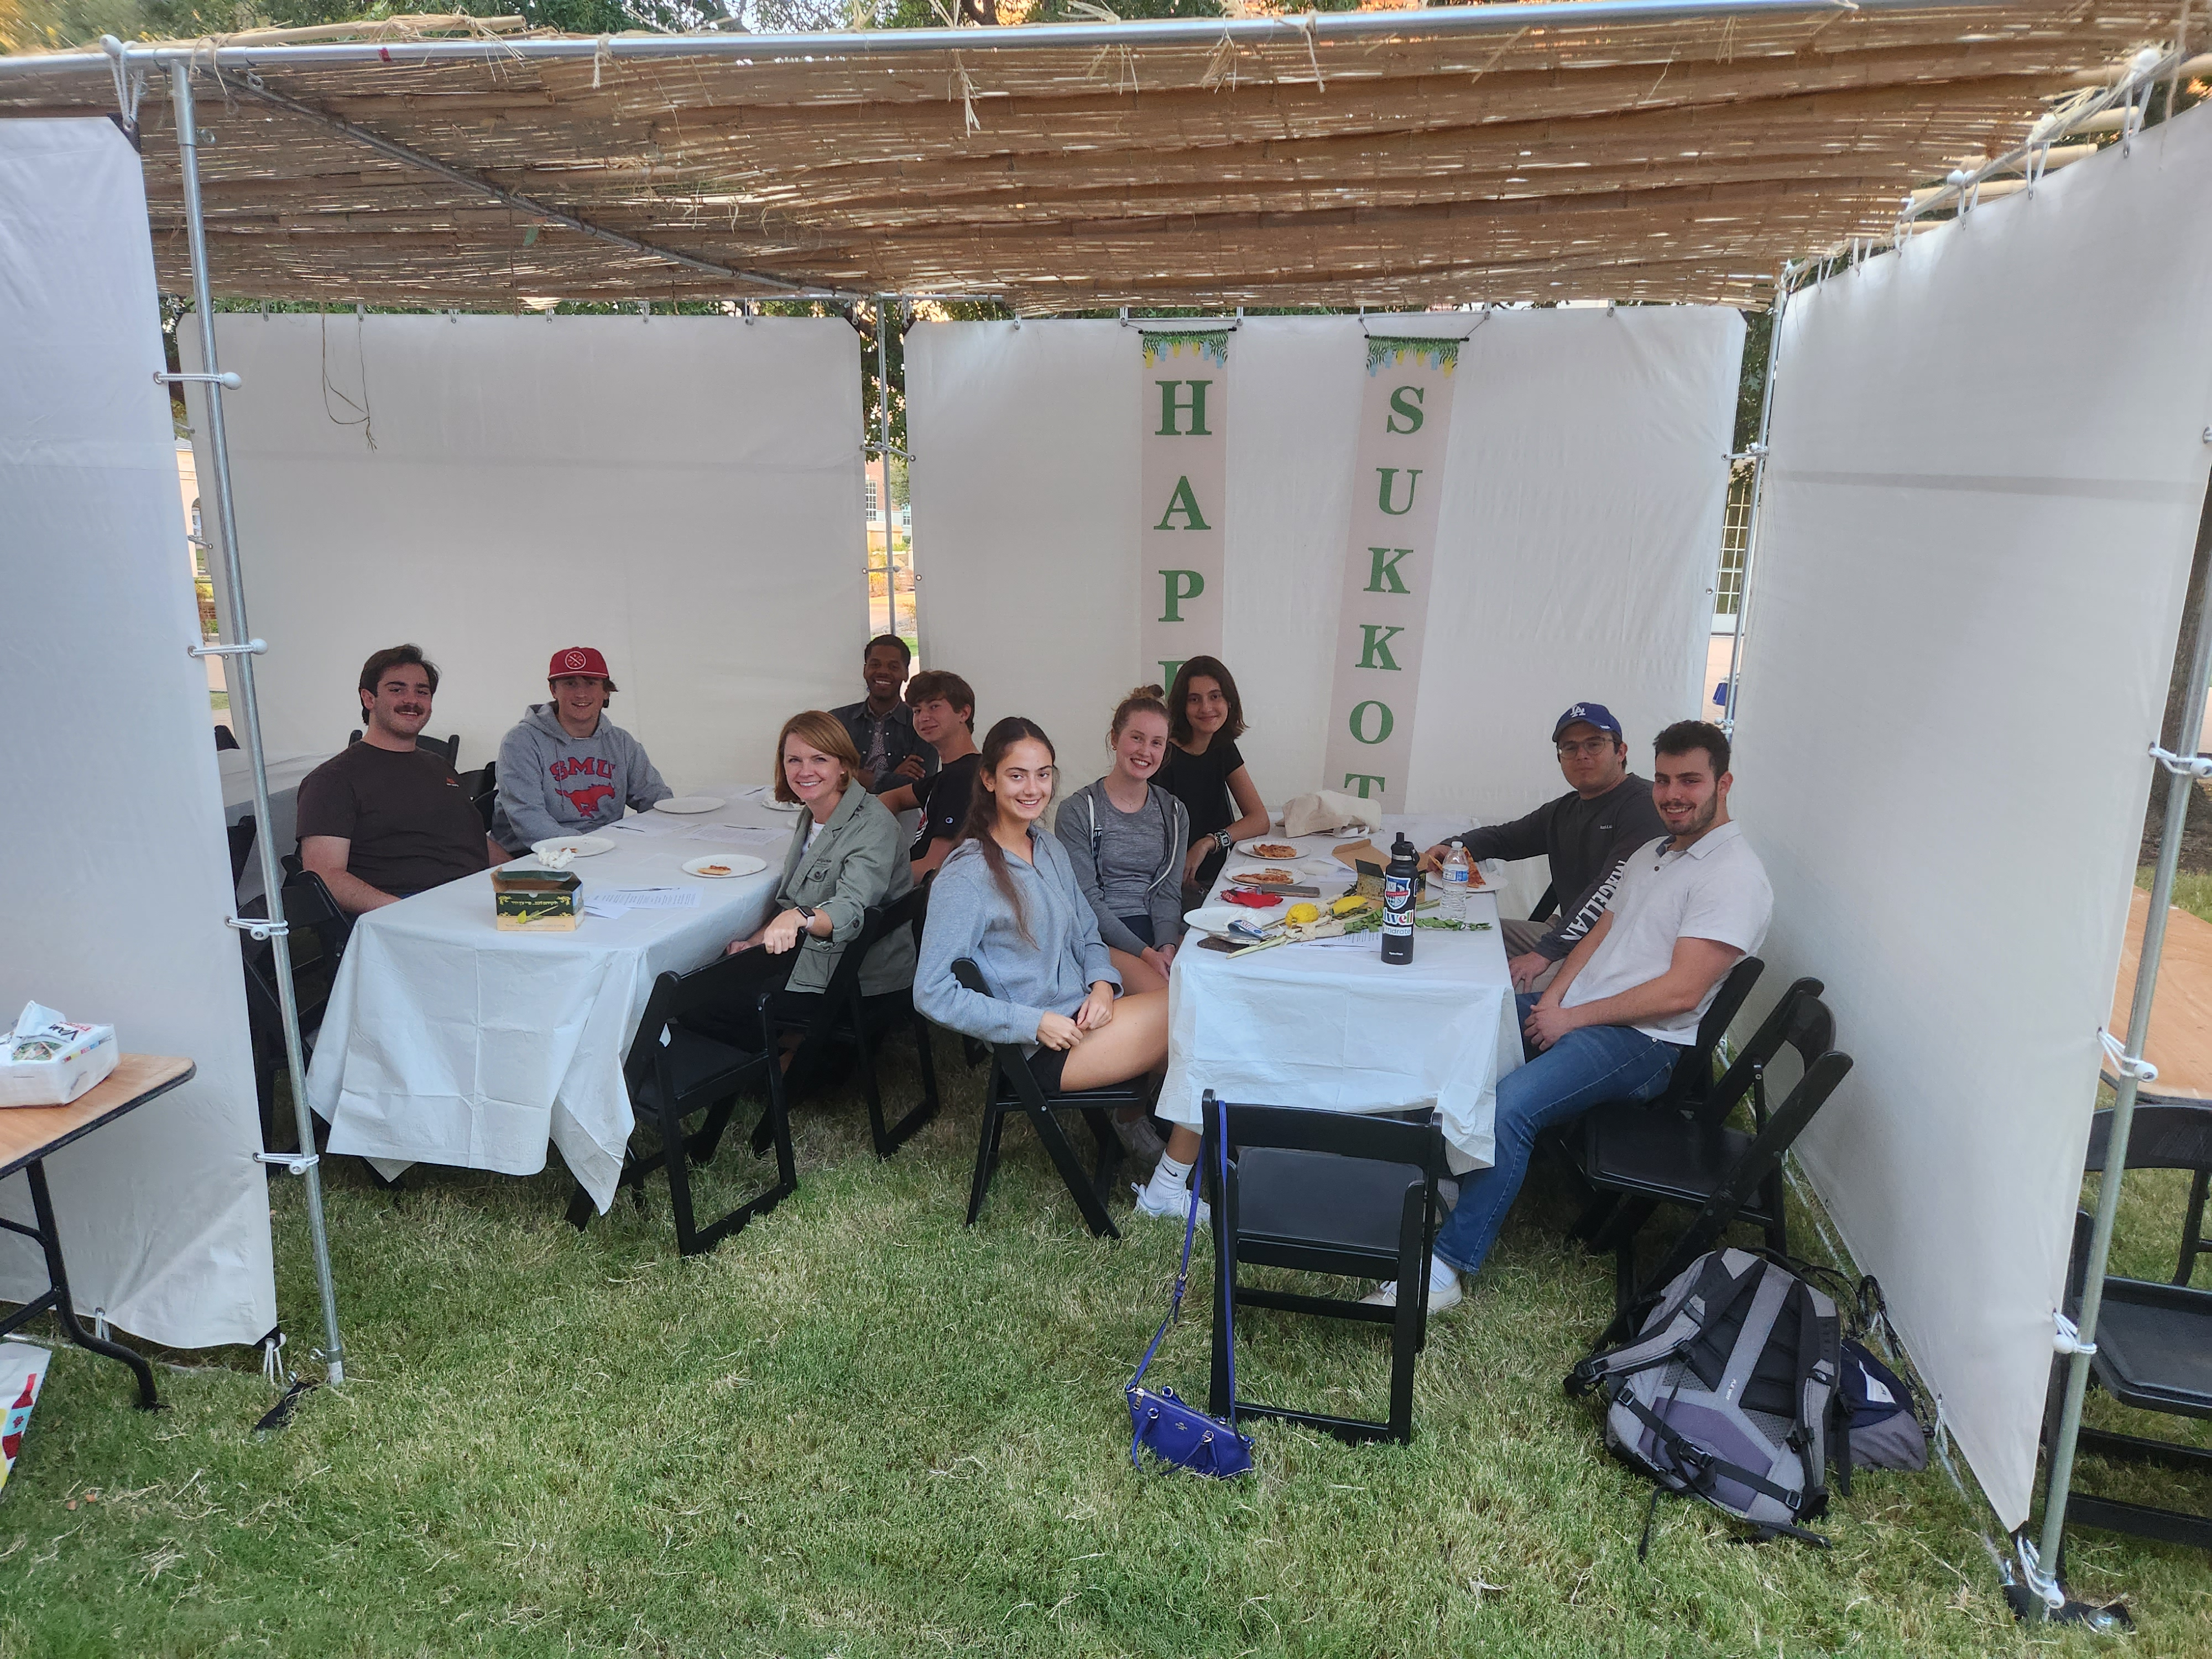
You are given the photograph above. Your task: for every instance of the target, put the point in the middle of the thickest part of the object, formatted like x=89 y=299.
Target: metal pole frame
x=1298 y=30
x=305 y=1164
x=2041 y=1564
x=1758 y=454
x=884 y=311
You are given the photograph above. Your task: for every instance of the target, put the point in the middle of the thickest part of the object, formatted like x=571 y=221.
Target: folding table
x=28 y=1136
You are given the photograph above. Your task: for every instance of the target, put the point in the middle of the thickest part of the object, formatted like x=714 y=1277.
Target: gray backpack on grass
x=1728 y=1392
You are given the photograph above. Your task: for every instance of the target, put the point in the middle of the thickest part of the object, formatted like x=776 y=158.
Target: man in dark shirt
x=893 y=754
x=1586 y=833
x=386 y=819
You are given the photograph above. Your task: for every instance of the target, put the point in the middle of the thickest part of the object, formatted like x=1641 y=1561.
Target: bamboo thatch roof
x=1543 y=152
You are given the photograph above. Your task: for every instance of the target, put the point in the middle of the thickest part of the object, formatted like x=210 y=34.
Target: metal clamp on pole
x=294 y=1163
x=260 y=927
x=229 y=379
x=251 y=648
x=2066 y=1336
x=2126 y=1065
x=2194 y=766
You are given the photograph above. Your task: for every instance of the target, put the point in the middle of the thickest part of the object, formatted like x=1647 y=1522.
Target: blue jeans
x=1583 y=1069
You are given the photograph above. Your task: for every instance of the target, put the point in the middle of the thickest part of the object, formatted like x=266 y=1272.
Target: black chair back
x=225 y=738
x=1693 y=1081
x=2166 y=1135
x=1800 y=1020
x=1321 y=1191
x=241 y=848
x=728 y=985
x=1757 y=1164
x=308 y=904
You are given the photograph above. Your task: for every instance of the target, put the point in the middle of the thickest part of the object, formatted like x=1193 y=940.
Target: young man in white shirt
x=1627 y=999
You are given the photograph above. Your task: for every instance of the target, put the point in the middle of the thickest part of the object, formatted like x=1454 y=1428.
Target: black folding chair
x=2166 y=1134
x=869 y=1019
x=241 y=848
x=1014 y=1090
x=1648 y=1158
x=2153 y=1353
x=1324 y=1192
x=674 y=1072
x=827 y=1029
x=1690 y=1088
x=225 y=738
x=317 y=931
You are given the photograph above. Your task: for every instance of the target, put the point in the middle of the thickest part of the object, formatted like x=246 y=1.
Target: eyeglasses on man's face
x=1592 y=747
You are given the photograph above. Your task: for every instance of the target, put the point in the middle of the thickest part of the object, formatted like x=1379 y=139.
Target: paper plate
x=1250 y=848
x=688 y=804
x=582 y=846
x=775 y=805
x=1214 y=918
x=720 y=866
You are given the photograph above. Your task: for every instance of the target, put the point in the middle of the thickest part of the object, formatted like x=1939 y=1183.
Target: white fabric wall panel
x=1986 y=474
x=117 y=874
x=682 y=492
x=1581 y=526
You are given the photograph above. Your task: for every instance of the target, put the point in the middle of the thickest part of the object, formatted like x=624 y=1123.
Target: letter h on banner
x=1183 y=472
x=1405 y=427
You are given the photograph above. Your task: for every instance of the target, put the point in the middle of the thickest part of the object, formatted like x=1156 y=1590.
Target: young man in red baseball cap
x=566 y=768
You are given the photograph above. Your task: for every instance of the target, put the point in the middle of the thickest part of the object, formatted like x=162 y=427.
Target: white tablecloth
x=285 y=772
x=448 y=1042
x=1335 y=1027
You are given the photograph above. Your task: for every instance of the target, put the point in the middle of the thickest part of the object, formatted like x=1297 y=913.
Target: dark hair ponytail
x=983 y=809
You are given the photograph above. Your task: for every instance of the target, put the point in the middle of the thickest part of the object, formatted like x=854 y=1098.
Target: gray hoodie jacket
x=1051 y=971
x=1088 y=821
x=552 y=784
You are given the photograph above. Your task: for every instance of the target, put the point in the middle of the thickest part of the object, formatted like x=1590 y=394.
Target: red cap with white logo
x=577 y=660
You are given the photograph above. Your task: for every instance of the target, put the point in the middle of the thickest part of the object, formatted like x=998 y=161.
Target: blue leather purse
x=1160 y=1421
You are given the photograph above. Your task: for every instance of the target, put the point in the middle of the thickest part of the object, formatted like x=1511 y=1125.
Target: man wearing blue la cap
x=1587 y=833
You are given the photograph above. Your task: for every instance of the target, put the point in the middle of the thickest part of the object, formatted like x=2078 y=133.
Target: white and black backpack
x=1728 y=1392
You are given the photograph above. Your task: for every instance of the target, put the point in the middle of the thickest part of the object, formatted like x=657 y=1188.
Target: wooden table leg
x=42 y=1210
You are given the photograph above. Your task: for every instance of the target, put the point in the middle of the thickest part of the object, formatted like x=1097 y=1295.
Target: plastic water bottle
x=1398 y=904
x=1458 y=877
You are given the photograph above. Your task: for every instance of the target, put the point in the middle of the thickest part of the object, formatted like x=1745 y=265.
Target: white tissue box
x=55 y=1064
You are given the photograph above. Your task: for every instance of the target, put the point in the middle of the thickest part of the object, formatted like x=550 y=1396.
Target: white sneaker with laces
x=1177 y=1208
x=1442 y=1299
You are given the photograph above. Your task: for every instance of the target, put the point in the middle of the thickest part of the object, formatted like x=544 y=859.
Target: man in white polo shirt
x=1628 y=998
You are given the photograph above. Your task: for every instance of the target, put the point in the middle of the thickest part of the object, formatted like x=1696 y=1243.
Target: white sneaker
x=1173 y=1209
x=1385 y=1295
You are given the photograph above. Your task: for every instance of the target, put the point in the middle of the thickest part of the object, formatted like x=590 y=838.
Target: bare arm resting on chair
x=1697 y=967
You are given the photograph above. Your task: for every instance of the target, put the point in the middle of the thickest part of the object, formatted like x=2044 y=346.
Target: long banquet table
x=448 y=1042
x=1333 y=1026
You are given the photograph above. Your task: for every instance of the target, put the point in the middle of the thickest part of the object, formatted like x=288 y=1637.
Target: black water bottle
x=1398 y=902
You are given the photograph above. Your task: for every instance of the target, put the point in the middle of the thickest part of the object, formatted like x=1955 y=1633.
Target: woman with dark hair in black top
x=1204 y=771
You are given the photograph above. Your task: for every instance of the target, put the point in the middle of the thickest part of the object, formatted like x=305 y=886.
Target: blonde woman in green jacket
x=847 y=852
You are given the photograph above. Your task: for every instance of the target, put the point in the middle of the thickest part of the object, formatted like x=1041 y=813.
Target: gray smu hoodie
x=552 y=784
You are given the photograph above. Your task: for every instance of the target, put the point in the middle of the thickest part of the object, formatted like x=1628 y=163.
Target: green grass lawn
x=858 y=1428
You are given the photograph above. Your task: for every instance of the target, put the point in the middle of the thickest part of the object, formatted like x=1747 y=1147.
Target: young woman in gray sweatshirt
x=1126 y=837
x=1006 y=899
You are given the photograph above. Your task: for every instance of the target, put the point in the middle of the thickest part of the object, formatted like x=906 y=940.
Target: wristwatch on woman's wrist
x=805 y=910
x=1221 y=840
